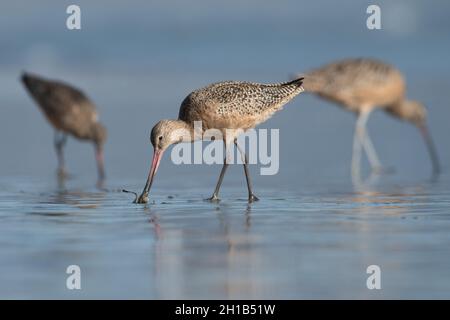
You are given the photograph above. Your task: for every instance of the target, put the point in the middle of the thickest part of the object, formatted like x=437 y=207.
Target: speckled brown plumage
x=67 y=108
x=225 y=106
x=357 y=83
x=361 y=86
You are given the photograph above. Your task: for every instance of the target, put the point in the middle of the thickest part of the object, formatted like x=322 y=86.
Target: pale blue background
x=137 y=60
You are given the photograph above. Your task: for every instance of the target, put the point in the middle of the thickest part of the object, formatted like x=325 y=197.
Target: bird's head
x=164 y=134
x=167 y=132
x=416 y=113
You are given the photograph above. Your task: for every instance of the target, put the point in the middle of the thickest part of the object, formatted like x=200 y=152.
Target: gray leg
x=371 y=153
x=215 y=196
x=358 y=140
x=251 y=196
x=362 y=140
x=60 y=141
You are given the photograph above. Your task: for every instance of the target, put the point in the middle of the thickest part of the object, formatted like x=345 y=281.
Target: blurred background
x=138 y=60
x=310 y=236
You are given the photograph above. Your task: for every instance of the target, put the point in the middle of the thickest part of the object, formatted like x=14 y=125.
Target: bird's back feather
x=237 y=104
x=356 y=82
x=66 y=107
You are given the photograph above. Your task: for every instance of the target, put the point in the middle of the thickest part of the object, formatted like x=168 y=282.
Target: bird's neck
x=398 y=109
x=187 y=131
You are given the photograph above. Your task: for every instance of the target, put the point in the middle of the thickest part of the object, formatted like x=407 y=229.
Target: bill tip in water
x=143 y=198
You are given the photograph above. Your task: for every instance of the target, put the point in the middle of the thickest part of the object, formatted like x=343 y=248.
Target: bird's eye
x=160 y=138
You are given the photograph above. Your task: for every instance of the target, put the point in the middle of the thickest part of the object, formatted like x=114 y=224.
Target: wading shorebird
x=70 y=112
x=225 y=106
x=361 y=86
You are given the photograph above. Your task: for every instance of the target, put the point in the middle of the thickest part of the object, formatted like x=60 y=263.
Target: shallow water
x=290 y=244
x=312 y=234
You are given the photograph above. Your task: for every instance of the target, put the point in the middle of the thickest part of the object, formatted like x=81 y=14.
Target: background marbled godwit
x=365 y=85
x=224 y=106
x=181 y=246
x=71 y=113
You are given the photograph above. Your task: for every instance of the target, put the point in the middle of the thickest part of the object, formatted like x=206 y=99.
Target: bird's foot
x=252 y=198
x=213 y=198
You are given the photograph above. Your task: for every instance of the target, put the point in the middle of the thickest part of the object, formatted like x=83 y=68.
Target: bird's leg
x=60 y=141
x=367 y=144
x=215 y=196
x=251 y=195
x=100 y=166
x=371 y=153
x=226 y=162
x=361 y=140
x=358 y=138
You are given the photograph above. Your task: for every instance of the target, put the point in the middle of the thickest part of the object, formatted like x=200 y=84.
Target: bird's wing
x=237 y=100
x=351 y=81
x=360 y=72
x=66 y=107
x=66 y=103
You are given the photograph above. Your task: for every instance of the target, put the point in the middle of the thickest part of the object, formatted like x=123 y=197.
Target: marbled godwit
x=70 y=112
x=223 y=106
x=362 y=85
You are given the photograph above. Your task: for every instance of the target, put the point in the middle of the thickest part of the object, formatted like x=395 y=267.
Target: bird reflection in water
x=76 y=198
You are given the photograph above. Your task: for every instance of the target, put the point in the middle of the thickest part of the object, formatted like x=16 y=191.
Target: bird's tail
x=29 y=80
x=33 y=83
x=24 y=77
x=296 y=82
x=293 y=87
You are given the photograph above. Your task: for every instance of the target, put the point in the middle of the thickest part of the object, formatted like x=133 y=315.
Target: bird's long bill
x=431 y=148
x=157 y=155
x=100 y=164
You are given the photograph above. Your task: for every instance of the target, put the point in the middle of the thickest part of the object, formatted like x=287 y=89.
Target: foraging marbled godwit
x=70 y=112
x=360 y=86
x=223 y=106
